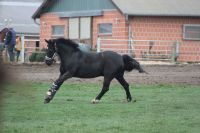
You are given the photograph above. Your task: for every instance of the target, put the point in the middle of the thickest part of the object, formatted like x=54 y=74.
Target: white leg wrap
x=54 y=84
x=94 y=101
x=48 y=93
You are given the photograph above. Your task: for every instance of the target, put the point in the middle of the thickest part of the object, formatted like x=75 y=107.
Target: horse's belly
x=88 y=73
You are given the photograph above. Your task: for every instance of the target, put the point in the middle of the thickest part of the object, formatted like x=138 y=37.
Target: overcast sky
x=22 y=0
x=17 y=14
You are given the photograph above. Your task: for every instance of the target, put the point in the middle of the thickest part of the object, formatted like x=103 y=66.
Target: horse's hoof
x=134 y=100
x=130 y=100
x=95 y=101
x=46 y=100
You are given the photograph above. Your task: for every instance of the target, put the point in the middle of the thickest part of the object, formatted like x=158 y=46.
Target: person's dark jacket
x=10 y=37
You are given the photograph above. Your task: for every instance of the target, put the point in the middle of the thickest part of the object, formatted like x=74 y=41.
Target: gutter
x=35 y=21
x=129 y=26
x=39 y=11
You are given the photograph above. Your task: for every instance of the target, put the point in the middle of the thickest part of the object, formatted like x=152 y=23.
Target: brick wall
x=167 y=29
x=143 y=28
x=47 y=21
x=119 y=25
x=120 y=30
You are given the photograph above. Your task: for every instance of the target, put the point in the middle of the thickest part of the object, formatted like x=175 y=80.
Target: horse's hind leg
x=125 y=85
x=55 y=87
x=105 y=88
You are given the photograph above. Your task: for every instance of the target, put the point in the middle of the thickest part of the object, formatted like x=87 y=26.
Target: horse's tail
x=130 y=64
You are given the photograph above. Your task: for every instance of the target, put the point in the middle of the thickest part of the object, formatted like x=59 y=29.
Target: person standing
x=18 y=47
x=10 y=43
x=1 y=51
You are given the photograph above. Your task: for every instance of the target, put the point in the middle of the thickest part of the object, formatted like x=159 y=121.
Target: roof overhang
x=185 y=8
x=39 y=11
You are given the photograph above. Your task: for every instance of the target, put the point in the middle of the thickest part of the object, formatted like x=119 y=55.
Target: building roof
x=40 y=9
x=159 y=7
x=17 y=14
x=146 y=7
x=74 y=8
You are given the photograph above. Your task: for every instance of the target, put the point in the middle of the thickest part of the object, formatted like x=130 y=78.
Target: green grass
x=159 y=109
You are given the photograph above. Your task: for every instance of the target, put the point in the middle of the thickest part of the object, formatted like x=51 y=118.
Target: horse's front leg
x=56 y=85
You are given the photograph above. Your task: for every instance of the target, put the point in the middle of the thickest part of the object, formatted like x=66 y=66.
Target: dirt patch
x=158 y=74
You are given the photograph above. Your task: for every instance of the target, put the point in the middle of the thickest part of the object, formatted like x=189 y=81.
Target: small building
x=147 y=22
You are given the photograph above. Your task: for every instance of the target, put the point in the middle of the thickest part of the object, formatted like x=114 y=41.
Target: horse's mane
x=67 y=42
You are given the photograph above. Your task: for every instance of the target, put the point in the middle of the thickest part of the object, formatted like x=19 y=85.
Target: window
x=191 y=32
x=37 y=44
x=105 y=29
x=58 y=30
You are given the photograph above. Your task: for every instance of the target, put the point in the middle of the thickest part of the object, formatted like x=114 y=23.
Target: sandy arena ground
x=158 y=74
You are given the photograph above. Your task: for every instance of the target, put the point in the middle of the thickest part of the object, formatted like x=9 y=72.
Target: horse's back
x=111 y=53
x=90 y=65
x=112 y=57
x=113 y=62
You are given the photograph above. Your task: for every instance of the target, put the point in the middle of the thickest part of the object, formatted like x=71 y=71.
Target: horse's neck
x=64 y=54
x=2 y=36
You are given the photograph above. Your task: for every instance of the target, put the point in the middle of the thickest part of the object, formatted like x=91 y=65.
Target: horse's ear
x=46 y=41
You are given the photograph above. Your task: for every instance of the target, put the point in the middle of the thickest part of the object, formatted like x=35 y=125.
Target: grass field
x=159 y=109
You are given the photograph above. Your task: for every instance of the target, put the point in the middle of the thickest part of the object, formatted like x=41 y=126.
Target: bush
x=32 y=57
x=37 y=56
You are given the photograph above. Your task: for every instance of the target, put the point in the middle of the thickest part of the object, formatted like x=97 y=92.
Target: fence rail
x=28 y=46
x=141 y=49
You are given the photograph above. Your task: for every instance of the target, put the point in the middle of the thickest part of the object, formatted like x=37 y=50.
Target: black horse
x=76 y=63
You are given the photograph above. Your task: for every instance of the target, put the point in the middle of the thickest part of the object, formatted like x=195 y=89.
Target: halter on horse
x=76 y=63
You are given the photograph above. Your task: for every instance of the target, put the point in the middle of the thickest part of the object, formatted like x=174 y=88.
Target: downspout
x=129 y=35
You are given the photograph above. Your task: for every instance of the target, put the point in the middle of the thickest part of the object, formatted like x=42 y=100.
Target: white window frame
x=185 y=31
x=105 y=33
x=57 y=35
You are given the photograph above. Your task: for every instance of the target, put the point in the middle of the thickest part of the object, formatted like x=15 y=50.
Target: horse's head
x=3 y=34
x=51 y=51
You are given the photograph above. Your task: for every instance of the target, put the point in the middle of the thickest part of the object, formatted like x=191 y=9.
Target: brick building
x=153 y=20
